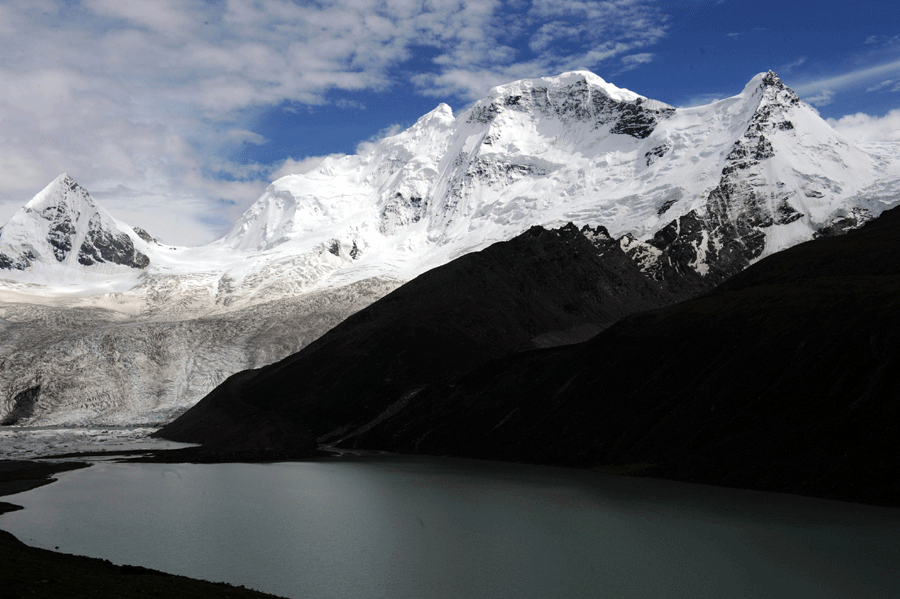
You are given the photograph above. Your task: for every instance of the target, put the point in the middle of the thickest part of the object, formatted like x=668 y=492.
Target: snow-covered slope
x=575 y=148
x=62 y=229
x=537 y=151
x=695 y=192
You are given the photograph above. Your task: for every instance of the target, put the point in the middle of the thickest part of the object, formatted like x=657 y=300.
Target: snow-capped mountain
x=760 y=169
x=689 y=193
x=718 y=186
x=62 y=225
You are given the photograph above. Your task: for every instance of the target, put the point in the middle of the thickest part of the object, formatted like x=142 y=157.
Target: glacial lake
x=417 y=528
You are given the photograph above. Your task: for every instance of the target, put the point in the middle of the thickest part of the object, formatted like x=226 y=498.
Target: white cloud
x=848 y=79
x=367 y=144
x=891 y=85
x=299 y=167
x=739 y=34
x=143 y=102
x=787 y=68
x=864 y=127
x=702 y=99
x=633 y=61
x=882 y=40
x=823 y=98
x=880 y=86
x=563 y=35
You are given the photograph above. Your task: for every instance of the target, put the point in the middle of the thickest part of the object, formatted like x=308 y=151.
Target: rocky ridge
x=64 y=224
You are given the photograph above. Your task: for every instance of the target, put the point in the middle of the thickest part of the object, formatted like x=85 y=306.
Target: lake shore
x=28 y=571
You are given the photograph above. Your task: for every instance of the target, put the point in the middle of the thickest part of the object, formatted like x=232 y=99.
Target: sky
x=177 y=114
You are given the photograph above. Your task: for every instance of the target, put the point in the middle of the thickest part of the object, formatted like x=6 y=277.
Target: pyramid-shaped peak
x=443 y=108
x=64 y=182
x=63 y=190
x=63 y=225
x=762 y=82
x=771 y=79
x=441 y=112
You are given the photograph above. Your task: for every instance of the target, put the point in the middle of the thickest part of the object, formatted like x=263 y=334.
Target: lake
x=405 y=527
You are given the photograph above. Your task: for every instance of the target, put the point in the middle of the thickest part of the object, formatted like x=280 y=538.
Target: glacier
x=102 y=324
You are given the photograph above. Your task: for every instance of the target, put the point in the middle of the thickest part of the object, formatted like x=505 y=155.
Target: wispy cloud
x=290 y=166
x=822 y=90
x=822 y=98
x=561 y=35
x=882 y=40
x=633 y=61
x=739 y=34
x=789 y=67
x=702 y=99
x=144 y=102
x=883 y=85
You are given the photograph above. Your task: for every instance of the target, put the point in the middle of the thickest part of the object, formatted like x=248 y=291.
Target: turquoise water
x=401 y=528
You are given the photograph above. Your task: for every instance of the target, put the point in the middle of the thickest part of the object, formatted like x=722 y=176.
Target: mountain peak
x=442 y=113
x=574 y=97
x=62 y=191
x=768 y=82
x=562 y=81
x=770 y=78
x=63 y=225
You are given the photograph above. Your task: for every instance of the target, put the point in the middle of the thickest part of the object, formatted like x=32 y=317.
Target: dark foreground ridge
x=783 y=379
x=540 y=289
x=30 y=572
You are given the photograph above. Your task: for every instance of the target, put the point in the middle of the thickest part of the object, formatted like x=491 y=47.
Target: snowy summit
x=536 y=151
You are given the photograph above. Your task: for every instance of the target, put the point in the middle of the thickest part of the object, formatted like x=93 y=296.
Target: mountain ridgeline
x=781 y=379
x=100 y=323
x=64 y=225
x=540 y=289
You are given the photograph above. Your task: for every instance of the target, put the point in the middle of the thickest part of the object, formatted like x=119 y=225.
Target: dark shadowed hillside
x=540 y=289
x=785 y=378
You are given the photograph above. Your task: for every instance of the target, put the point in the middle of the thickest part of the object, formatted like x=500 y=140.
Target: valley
x=475 y=286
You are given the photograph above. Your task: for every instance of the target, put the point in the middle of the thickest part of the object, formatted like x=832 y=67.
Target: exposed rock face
x=101 y=245
x=145 y=235
x=64 y=225
x=729 y=232
x=579 y=103
x=20 y=262
x=22 y=406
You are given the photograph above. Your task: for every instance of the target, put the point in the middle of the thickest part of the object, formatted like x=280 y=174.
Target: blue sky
x=176 y=114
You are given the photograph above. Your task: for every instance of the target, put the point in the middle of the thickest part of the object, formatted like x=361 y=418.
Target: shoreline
x=30 y=571
x=18 y=476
